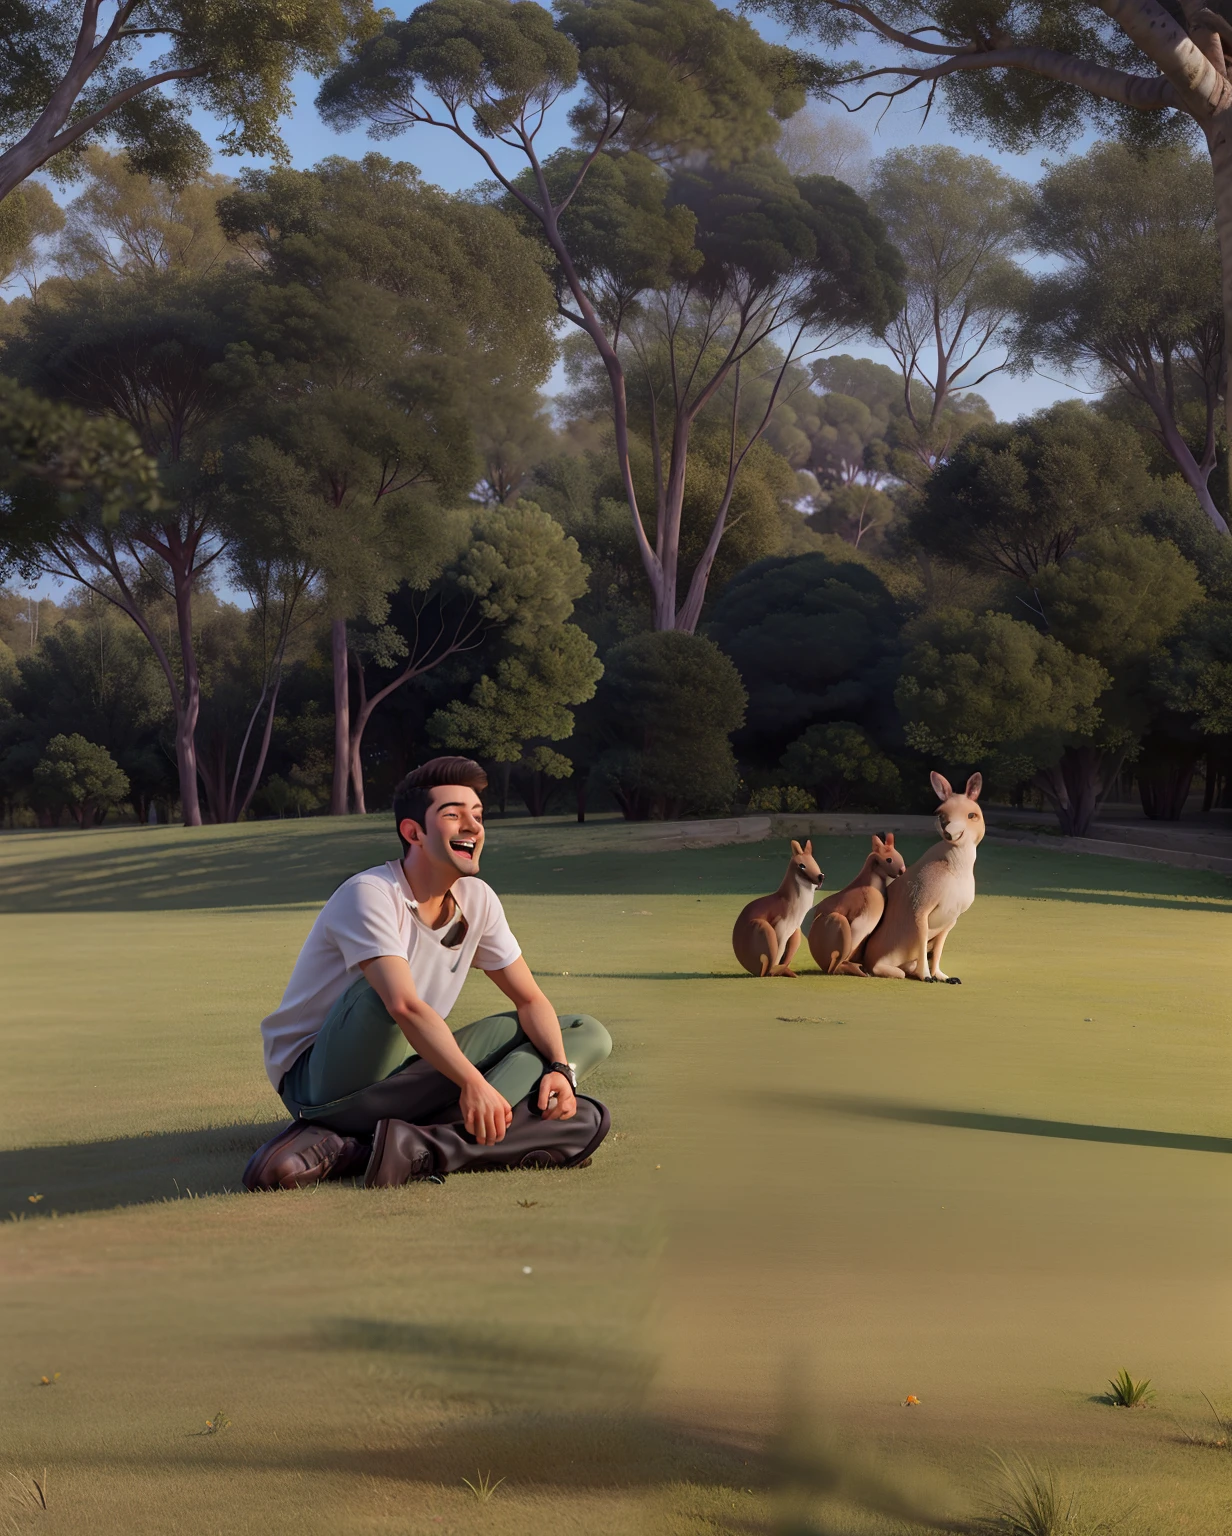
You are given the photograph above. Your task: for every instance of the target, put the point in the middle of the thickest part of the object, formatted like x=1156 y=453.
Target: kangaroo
x=923 y=906
x=767 y=932
x=846 y=919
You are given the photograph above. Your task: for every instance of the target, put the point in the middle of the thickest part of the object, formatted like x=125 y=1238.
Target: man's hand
x=558 y=1085
x=485 y=1112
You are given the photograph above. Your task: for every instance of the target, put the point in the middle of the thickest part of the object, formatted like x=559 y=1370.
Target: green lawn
x=821 y=1196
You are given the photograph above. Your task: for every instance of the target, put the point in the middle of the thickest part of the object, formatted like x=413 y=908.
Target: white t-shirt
x=375 y=913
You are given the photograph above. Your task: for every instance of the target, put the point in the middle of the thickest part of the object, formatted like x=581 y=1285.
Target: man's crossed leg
x=360 y=1096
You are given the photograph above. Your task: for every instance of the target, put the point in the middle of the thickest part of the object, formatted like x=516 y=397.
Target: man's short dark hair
x=414 y=794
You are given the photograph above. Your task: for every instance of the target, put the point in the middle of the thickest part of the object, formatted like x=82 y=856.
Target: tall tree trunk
x=190 y=703
x=1219 y=143
x=1165 y=772
x=1077 y=785
x=355 y=762
x=356 y=769
x=342 y=721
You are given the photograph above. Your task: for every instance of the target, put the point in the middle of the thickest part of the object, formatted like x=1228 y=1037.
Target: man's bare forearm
x=430 y=1037
x=542 y=1028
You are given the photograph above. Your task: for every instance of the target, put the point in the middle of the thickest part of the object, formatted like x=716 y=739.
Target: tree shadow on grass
x=134 y=1170
x=559 y=1450
x=967 y=1120
x=278 y=864
x=565 y=1450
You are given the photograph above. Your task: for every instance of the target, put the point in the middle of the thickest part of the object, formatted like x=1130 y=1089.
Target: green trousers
x=360 y=1068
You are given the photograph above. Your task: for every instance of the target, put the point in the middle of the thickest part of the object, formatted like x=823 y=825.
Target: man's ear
x=410 y=830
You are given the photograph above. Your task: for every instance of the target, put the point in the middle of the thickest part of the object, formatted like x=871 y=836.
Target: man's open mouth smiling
x=463 y=845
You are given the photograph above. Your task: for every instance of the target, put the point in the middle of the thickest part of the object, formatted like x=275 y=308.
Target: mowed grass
x=822 y=1195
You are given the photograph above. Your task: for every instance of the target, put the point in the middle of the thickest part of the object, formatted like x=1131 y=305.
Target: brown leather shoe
x=301 y=1155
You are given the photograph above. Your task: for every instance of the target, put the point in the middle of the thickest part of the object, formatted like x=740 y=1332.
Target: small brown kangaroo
x=923 y=906
x=767 y=932
x=846 y=919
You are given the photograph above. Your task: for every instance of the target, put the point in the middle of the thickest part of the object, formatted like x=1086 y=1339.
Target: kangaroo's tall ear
x=796 y=848
x=878 y=845
x=974 y=784
x=889 y=839
x=808 y=847
x=941 y=787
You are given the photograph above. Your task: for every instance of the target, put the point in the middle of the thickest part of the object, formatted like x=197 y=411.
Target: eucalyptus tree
x=819 y=143
x=959 y=222
x=639 y=218
x=73 y=72
x=28 y=216
x=1134 y=297
x=390 y=316
x=516 y=575
x=1040 y=72
x=142 y=357
x=122 y=221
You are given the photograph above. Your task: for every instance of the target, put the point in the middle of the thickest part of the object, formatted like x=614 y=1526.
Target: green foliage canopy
x=69 y=77
x=77 y=773
x=669 y=703
x=1136 y=297
x=1015 y=497
x=991 y=690
x=814 y=640
x=842 y=768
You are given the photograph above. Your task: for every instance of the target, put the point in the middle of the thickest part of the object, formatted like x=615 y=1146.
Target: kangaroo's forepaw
x=954 y=981
x=926 y=977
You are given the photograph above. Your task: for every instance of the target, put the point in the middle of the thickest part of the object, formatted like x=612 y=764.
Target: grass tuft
x=216 y=1425
x=1125 y=1392
x=1221 y=1440
x=29 y=1492
x=1030 y=1501
x=484 y=1488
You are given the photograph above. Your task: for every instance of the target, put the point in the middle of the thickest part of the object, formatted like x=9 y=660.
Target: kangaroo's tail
x=770 y=956
x=834 y=946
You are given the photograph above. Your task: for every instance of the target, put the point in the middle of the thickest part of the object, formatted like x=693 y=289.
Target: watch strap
x=565 y=1071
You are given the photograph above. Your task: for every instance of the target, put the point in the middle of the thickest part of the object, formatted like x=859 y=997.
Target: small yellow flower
x=34 y=1199
x=911 y=1401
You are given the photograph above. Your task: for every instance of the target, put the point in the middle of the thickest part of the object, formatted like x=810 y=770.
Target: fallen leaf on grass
x=911 y=1401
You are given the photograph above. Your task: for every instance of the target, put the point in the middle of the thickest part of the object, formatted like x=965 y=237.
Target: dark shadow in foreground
x=968 y=1120
x=134 y=1170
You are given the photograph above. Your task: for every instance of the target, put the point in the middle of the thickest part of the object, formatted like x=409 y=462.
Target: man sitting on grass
x=359 y=1050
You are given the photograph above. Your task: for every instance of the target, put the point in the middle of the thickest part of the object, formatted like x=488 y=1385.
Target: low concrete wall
x=854 y=825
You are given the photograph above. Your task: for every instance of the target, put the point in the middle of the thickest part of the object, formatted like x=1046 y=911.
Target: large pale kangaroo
x=846 y=919
x=767 y=932
x=925 y=903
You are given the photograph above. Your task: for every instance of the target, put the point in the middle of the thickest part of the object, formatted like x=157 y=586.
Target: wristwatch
x=565 y=1070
